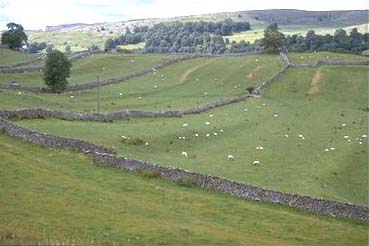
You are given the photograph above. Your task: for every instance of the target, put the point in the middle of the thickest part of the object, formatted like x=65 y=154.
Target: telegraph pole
x=98 y=93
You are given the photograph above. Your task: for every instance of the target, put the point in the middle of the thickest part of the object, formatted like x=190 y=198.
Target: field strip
x=314 y=89
x=106 y=157
x=251 y=75
x=185 y=75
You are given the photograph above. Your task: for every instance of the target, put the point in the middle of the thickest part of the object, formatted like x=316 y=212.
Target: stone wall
x=331 y=62
x=106 y=157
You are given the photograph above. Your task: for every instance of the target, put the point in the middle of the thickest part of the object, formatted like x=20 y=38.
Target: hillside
x=80 y=35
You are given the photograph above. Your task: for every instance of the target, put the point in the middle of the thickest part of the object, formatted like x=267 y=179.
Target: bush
x=57 y=70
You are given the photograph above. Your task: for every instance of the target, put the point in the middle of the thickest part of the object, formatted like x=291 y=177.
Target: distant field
x=299 y=116
x=258 y=33
x=181 y=85
x=11 y=57
x=78 y=40
x=85 y=70
x=56 y=197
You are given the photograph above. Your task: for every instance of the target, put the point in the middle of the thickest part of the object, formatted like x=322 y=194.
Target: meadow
x=85 y=70
x=10 y=57
x=54 y=197
x=182 y=85
x=311 y=124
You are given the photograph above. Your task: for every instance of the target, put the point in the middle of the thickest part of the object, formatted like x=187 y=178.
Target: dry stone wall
x=106 y=157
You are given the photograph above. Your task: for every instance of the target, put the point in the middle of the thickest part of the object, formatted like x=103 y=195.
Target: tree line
x=179 y=37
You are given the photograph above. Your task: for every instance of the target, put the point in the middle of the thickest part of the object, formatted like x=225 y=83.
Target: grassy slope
x=287 y=163
x=55 y=196
x=174 y=88
x=86 y=70
x=9 y=57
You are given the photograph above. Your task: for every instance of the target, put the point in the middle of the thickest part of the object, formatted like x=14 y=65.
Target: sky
x=36 y=14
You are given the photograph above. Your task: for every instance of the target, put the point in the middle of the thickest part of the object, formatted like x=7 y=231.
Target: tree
x=15 y=36
x=57 y=70
x=273 y=38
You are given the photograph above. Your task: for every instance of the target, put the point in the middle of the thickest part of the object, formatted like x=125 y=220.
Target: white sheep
x=120 y=94
x=275 y=116
x=207 y=123
x=215 y=134
x=245 y=109
x=221 y=130
x=146 y=144
x=196 y=134
x=286 y=135
x=364 y=136
x=184 y=154
x=139 y=98
x=207 y=134
x=185 y=124
x=255 y=163
x=332 y=148
x=230 y=157
x=346 y=137
x=326 y=150
x=259 y=147
x=211 y=116
x=343 y=124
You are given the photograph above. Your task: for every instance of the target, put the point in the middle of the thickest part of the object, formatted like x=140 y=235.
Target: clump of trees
x=57 y=70
x=14 y=37
x=340 y=41
x=178 y=37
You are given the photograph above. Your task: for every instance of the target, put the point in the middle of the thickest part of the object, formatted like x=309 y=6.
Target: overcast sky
x=36 y=14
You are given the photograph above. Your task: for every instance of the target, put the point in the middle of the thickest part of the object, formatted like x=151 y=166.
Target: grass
x=78 y=40
x=11 y=57
x=85 y=70
x=53 y=197
x=323 y=55
x=181 y=85
x=311 y=102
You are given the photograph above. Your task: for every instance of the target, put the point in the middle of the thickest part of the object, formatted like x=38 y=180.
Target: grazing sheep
x=70 y=96
x=360 y=142
x=255 y=163
x=215 y=134
x=120 y=94
x=343 y=124
x=346 y=137
x=155 y=86
x=146 y=144
x=196 y=134
x=205 y=93
x=286 y=135
x=211 y=116
x=19 y=93
x=326 y=150
x=185 y=125
x=230 y=157
x=332 y=148
x=139 y=98
x=245 y=109
x=259 y=147
x=184 y=154
x=275 y=116
x=207 y=134
x=221 y=130
x=364 y=136
x=207 y=123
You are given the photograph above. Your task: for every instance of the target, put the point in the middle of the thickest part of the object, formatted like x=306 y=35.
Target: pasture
x=182 y=85
x=85 y=70
x=55 y=197
x=9 y=57
x=310 y=123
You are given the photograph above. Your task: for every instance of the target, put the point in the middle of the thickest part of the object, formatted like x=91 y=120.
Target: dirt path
x=314 y=86
x=185 y=75
x=252 y=73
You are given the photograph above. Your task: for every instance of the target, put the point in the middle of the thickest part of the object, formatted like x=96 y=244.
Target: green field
x=85 y=70
x=55 y=197
x=311 y=102
x=10 y=57
x=181 y=85
x=77 y=39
